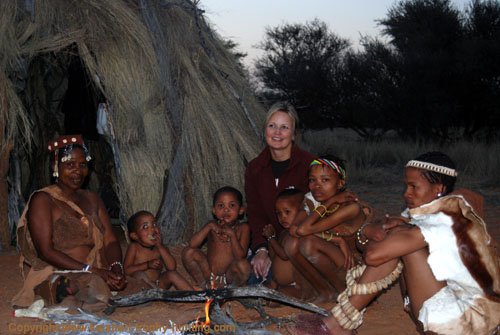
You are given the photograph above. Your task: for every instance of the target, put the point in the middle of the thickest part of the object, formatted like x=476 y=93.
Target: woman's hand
x=261 y=263
x=394 y=221
x=115 y=279
x=341 y=198
x=374 y=232
x=346 y=251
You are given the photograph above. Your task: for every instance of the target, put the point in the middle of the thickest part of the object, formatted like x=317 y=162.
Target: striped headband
x=432 y=167
x=337 y=168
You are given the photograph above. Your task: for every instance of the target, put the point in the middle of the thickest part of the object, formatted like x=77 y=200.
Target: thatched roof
x=184 y=118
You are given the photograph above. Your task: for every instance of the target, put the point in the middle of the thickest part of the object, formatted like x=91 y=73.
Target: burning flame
x=207 y=307
x=207 y=304
x=207 y=312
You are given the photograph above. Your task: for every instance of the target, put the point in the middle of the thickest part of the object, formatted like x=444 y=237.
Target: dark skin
x=228 y=243
x=43 y=213
x=328 y=257
x=147 y=255
x=394 y=240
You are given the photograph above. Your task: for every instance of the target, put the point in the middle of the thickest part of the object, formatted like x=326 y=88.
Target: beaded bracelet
x=116 y=263
x=321 y=206
x=329 y=238
x=359 y=233
x=271 y=237
x=261 y=249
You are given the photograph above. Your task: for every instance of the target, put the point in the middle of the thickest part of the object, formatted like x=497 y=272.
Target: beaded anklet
x=344 y=312
x=216 y=279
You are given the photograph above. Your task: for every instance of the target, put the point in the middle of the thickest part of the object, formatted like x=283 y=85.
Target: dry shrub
x=477 y=162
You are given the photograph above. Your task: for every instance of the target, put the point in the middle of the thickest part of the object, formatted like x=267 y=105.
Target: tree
x=370 y=89
x=480 y=69
x=427 y=35
x=301 y=63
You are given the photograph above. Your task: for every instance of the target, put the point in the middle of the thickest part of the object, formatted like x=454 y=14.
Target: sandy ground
x=384 y=316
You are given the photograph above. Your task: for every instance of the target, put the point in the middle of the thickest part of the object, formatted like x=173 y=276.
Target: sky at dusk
x=244 y=21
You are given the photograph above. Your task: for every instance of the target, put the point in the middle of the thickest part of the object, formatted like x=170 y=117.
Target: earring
x=439 y=195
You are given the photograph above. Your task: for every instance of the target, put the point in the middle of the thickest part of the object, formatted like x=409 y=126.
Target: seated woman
x=450 y=269
x=325 y=228
x=65 y=230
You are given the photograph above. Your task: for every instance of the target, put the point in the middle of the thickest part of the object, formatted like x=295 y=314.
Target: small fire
x=207 y=312
x=207 y=304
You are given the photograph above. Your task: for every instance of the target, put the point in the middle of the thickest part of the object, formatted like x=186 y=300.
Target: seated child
x=146 y=255
x=330 y=209
x=285 y=278
x=227 y=244
x=329 y=215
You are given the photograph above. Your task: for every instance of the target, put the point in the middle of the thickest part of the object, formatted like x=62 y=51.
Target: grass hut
x=181 y=118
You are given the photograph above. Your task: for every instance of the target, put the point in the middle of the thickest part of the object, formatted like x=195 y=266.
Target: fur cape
x=477 y=250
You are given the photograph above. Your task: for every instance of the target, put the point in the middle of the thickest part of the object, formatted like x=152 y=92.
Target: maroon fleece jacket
x=261 y=190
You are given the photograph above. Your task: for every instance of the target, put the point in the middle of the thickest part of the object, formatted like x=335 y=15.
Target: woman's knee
x=291 y=246
x=308 y=246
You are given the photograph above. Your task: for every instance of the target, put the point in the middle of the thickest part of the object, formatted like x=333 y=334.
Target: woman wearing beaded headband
x=444 y=251
x=324 y=230
x=65 y=229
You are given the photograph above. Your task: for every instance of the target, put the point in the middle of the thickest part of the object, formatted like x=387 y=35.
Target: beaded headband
x=432 y=167
x=337 y=168
x=65 y=143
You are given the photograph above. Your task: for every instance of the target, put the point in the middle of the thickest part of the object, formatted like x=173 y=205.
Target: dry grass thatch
x=184 y=117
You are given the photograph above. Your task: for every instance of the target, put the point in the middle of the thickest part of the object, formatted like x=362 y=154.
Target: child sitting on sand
x=147 y=255
x=285 y=278
x=329 y=218
x=227 y=244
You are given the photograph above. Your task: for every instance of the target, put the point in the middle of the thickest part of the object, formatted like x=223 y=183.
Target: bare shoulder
x=41 y=203
x=133 y=246
x=352 y=207
x=40 y=198
x=242 y=226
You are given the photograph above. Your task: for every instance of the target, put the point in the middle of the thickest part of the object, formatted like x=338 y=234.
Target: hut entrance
x=64 y=100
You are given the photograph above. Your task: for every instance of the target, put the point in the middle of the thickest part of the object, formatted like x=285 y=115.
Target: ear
x=242 y=210
x=341 y=184
x=213 y=212
x=133 y=236
x=439 y=188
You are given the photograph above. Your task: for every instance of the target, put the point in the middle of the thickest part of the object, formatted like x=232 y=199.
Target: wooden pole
x=6 y=147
